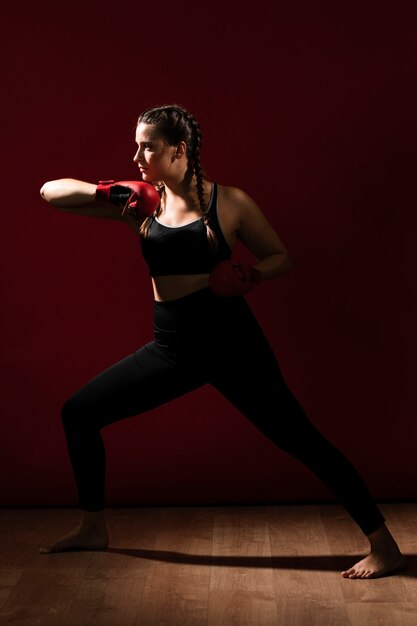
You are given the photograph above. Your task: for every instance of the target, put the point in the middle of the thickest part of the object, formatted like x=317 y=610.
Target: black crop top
x=170 y=250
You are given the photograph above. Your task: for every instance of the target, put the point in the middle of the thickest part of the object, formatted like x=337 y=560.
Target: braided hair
x=175 y=124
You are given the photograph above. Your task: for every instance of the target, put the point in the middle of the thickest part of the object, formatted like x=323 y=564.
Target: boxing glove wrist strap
x=107 y=191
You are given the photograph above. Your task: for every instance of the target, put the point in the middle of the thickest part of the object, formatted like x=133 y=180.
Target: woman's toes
x=346 y=573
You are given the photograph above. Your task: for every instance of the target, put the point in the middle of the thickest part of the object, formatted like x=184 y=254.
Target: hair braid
x=196 y=164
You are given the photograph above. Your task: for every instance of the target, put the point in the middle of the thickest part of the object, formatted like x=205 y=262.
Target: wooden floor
x=216 y=566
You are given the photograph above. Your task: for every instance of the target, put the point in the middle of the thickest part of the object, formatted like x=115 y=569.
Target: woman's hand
x=233 y=279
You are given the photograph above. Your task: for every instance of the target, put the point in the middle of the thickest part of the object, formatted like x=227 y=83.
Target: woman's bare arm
x=77 y=196
x=258 y=235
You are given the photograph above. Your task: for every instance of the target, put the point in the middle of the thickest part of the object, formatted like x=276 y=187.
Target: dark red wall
x=309 y=107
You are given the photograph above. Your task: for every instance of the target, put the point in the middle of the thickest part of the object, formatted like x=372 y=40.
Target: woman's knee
x=68 y=412
x=75 y=412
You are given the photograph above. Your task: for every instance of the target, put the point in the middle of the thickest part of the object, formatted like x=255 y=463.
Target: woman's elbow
x=285 y=260
x=50 y=192
x=46 y=191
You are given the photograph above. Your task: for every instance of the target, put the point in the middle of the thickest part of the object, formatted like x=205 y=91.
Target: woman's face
x=154 y=156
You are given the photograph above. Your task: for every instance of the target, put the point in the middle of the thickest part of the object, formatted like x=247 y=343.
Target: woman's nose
x=136 y=158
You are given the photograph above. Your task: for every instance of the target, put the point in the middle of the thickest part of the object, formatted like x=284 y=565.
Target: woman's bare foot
x=376 y=565
x=385 y=557
x=90 y=534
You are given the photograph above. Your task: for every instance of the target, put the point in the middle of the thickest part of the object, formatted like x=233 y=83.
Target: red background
x=310 y=108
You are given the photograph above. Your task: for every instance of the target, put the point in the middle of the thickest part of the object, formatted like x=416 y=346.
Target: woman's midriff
x=172 y=287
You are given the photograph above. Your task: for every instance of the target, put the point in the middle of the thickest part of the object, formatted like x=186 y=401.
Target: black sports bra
x=170 y=250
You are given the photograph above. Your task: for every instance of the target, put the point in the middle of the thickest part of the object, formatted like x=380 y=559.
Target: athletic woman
x=204 y=330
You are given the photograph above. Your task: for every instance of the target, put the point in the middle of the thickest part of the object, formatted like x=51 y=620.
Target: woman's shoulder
x=237 y=199
x=235 y=207
x=234 y=194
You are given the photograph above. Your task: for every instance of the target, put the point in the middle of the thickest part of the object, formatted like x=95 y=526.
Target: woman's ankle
x=381 y=539
x=92 y=520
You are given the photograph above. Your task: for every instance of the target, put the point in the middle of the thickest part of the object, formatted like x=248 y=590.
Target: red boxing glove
x=138 y=198
x=228 y=279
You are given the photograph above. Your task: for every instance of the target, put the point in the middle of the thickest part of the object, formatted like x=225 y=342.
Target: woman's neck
x=180 y=193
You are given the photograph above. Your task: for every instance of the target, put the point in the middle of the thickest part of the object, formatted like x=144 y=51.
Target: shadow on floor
x=313 y=563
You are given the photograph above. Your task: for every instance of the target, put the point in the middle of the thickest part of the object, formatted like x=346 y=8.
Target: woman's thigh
x=248 y=374
x=137 y=383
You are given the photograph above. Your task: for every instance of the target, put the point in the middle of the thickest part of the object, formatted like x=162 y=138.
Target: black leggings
x=198 y=339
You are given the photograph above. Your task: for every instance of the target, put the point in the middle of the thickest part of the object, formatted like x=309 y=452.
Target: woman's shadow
x=313 y=563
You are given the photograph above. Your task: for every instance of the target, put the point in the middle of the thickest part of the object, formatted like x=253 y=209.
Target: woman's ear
x=180 y=149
